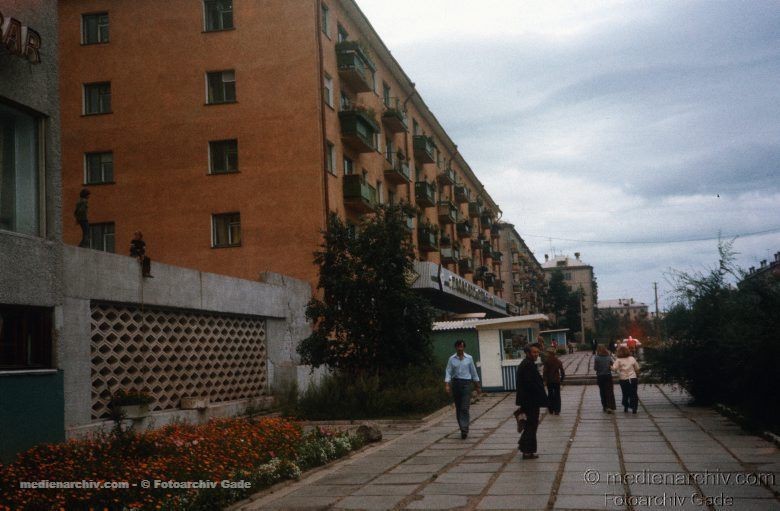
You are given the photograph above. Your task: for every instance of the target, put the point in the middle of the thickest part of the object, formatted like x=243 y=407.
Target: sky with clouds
x=609 y=122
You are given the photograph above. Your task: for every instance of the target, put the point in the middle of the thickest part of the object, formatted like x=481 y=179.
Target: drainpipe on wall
x=326 y=202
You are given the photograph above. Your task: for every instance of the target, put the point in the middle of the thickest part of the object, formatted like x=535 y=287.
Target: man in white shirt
x=458 y=377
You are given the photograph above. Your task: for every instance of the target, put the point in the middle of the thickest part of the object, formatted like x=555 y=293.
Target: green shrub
x=561 y=351
x=402 y=393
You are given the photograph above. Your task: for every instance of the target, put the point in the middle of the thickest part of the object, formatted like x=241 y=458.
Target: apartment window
x=223 y=156
x=218 y=14
x=389 y=149
x=226 y=230
x=97 y=98
x=380 y=196
x=325 y=19
x=25 y=337
x=222 y=87
x=391 y=197
x=343 y=35
x=21 y=172
x=567 y=276
x=327 y=85
x=345 y=102
x=98 y=168
x=349 y=166
x=386 y=94
x=94 y=28
x=101 y=237
x=330 y=157
x=415 y=127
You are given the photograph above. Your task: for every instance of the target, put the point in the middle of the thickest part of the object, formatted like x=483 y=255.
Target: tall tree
x=368 y=320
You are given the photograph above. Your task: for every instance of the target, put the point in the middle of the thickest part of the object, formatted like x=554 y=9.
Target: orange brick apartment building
x=227 y=130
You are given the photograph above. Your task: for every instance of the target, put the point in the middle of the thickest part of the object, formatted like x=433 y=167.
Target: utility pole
x=657 y=329
x=582 y=321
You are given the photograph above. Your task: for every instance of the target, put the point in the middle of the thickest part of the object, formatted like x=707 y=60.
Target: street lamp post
x=582 y=322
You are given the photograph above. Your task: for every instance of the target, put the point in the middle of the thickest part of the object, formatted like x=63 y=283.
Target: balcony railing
x=517 y=287
x=445 y=240
x=498 y=284
x=450 y=255
x=425 y=193
x=358 y=129
x=409 y=224
x=398 y=173
x=462 y=194
x=427 y=240
x=475 y=209
x=355 y=68
x=464 y=229
x=423 y=149
x=487 y=249
x=448 y=212
x=497 y=255
x=466 y=265
x=487 y=221
x=394 y=117
x=495 y=231
x=446 y=176
x=358 y=194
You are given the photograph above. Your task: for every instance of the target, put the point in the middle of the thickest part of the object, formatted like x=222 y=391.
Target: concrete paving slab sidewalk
x=668 y=456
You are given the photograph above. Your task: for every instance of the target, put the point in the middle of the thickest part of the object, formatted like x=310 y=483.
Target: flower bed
x=237 y=456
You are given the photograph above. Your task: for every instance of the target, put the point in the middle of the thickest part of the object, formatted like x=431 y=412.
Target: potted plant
x=131 y=404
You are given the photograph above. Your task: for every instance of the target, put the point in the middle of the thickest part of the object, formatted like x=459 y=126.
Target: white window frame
x=325 y=13
x=230 y=243
x=223 y=82
x=222 y=26
x=211 y=145
x=327 y=85
x=330 y=157
x=99 y=33
x=101 y=95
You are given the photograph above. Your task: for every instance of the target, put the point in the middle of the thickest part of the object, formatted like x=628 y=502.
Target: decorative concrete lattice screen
x=173 y=354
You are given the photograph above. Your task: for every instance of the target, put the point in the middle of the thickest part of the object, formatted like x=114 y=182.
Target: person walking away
x=81 y=217
x=553 y=375
x=458 y=378
x=627 y=368
x=530 y=397
x=138 y=250
x=602 y=365
x=593 y=345
x=631 y=344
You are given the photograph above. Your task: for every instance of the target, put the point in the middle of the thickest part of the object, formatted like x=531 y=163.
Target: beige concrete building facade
x=578 y=276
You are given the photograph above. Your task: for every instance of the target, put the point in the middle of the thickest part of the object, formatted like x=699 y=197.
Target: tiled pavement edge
x=671 y=450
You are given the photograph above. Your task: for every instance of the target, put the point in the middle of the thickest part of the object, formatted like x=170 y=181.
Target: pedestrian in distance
x=553 y=375
x=627 y=369
x=530 y=397
x=138 y=250
x=593 y=345
x=602 y=365
x=612 y=347
x=459 y=375
x=81 y=217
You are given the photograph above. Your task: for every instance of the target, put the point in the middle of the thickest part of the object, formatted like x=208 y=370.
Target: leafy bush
x=723 y=345
x=561 y=351
x=397 y=394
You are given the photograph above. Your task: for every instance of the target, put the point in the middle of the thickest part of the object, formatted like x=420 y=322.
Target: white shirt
x=626 y=367
x=461 y=369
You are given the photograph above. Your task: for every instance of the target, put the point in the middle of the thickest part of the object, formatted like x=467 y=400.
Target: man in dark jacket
x=530 y=397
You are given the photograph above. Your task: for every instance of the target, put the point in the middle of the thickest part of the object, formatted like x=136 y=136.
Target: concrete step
x=580 y=380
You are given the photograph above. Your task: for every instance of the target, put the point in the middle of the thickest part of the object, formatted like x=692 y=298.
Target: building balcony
x=464 y=229
x=487 y=221
x=497 y=255
x=425 y=194
x=446 y=177
x=475 y=209
x=462 y=194
x=487 y=249
x=495 y=231
x=498 y=284
x=450 y=255
x=394 y=117
x=409 y=224
x=448 y=212
x=358 y=194
x=466 y=265
x=517 y=287
x=424 y=149
x=445 y=240
x=427 y=240
x=358 y=129
x=399 y=172
x=355 y=68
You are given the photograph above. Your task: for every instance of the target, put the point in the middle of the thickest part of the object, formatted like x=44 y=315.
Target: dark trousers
x=461 y=393
x=554 y=397
x=146 y=265
x=629 y=390
x=527 y=441
x=606 y=391
x=84 y=233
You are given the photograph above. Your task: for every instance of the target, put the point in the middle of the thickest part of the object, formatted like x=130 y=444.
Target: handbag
x=521 y=419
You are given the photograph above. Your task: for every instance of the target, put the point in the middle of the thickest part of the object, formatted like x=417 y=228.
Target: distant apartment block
x=624 y=308
x=578 y=276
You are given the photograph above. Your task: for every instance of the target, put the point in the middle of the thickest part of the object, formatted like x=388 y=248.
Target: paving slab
x=428 y=466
